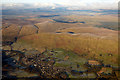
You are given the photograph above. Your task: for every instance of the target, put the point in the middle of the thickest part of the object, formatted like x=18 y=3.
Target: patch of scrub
x=71 y=32
x=109 y=25
x=58 y=32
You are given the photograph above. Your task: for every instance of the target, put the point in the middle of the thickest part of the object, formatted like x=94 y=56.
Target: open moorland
x=56 y=45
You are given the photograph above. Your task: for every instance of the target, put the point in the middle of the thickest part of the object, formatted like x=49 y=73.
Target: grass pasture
x=86 y=46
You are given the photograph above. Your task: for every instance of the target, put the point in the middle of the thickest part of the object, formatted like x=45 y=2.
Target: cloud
x=69 y=4
x=93 y=4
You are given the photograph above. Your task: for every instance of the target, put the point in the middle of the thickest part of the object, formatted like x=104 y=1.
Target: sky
x=57 y=1
x=72 y=4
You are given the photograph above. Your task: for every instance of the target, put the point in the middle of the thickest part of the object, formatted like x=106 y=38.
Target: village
x=44 y=65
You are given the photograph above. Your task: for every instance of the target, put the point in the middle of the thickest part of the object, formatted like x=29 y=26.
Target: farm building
x=105 y=71
x=93 y=62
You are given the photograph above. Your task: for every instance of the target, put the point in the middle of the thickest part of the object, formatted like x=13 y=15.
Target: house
x=66 y=58
x=105 y=71
x=93 y=62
